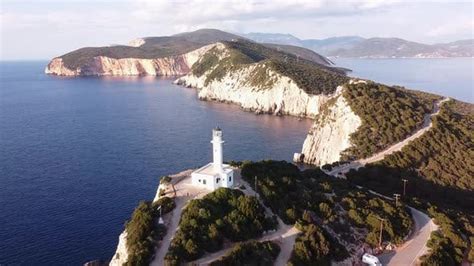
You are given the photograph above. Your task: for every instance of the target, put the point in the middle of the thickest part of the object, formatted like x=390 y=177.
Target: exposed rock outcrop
x=121 y=254
x=330 y=134
x=284 y=97
x=279 y=94
x=103 y=66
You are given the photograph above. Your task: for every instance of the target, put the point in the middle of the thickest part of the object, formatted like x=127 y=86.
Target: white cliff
x=104 y=66
x=278 y=94
x=121 y=254
x=330 y=134
x=283 y=97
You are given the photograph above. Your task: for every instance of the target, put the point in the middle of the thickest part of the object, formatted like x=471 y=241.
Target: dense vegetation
x=445 y=154
x=439 y=167
x=143 y=230
x=441 y=251
x=223 y=215
x=250 y=253
x=394 y=114
x=312 y=247
x=312 y=77
x=335 y=203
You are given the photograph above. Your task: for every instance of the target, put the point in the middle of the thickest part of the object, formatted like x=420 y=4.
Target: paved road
x=427 y=124
x=415 y=247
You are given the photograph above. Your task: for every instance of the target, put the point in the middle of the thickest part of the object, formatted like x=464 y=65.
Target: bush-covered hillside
x=445 y=154
x=250 y=253
x=314 y=247
x=439 y=167
x=388 y=114
x=312 y=77
x=143 y=230
x=223 y=215
x=335 y=203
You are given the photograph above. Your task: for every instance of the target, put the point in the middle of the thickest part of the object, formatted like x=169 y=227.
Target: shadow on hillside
x=388 y=180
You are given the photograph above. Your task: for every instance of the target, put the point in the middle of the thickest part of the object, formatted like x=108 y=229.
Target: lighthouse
x=215 y=174
x=217 y=149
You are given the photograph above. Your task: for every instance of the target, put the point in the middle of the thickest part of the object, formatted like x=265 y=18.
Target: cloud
x=58 y=26
x=457 y=26
x=199 y=11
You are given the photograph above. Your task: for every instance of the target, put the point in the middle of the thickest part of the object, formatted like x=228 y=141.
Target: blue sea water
x=78 y=154
x=453 y=77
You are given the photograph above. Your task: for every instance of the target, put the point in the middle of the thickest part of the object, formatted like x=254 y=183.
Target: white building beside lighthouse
x=215 y=174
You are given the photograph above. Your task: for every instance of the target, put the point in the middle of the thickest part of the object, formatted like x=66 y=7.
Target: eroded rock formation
x=103 y=66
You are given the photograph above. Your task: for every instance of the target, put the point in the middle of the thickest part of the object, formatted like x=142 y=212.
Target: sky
x=42 y=29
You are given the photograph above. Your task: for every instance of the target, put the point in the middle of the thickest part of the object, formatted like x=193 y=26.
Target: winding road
x=427 y=124
x=285 y=236
x=415 y=247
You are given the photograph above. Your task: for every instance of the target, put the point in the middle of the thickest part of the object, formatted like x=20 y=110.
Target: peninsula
x=367 y=142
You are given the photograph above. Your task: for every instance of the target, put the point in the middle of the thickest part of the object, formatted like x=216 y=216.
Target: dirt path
x=285 y=236
x=184 y=193
x=427 y=124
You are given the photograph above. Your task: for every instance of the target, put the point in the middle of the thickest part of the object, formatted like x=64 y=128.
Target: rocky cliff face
x=278 y=94
x=283 y=97
x=330 y=134
x=102 y=65
x=121 y=254
x=334 y=119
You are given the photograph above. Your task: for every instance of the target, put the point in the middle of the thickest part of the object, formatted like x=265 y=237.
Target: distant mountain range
x=358 y=47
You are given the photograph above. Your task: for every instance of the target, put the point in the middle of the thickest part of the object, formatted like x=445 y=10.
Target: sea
x=453 y=77
x=77 y=155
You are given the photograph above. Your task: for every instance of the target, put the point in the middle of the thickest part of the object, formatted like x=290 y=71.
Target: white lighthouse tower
x=217 y=149
x=215 y=174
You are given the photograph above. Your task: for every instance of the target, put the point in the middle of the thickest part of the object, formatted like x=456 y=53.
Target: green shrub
x=224 y=214
x=167 y=204
x=295 y=195
x=142 y=234
x=250 y=253
x=315 y=247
